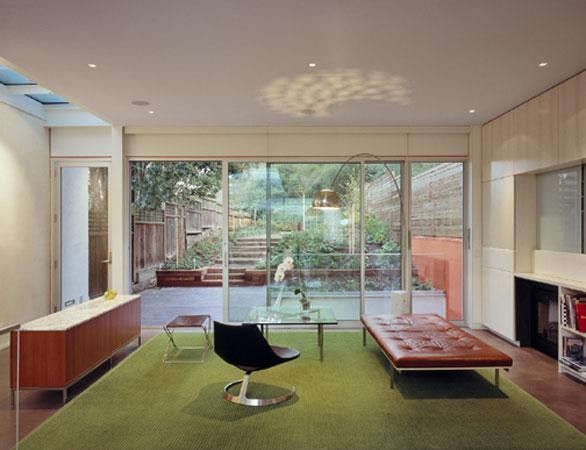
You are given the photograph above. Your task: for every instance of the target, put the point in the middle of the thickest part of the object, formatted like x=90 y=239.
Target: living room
x=405 y=178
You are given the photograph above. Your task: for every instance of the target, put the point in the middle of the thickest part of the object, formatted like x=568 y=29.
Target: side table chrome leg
x=206 y=331
x=64 y=394
x=169 y=333
x=363 y=337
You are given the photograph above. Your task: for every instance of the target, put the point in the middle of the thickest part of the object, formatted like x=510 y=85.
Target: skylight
x=48 y=99
x=12 y=80
x=9 y=77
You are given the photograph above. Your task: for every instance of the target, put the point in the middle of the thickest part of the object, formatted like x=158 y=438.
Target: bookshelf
x=572 y=342
x=566 y=328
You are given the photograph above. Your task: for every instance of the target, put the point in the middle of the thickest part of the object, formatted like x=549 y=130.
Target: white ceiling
x=211 y=62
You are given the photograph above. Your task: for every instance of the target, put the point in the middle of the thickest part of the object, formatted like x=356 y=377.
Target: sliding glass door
x=248 y=216
x=176 y=216
x=437 y=232
x=325 y=252
x=323 y=244
x=382 y=235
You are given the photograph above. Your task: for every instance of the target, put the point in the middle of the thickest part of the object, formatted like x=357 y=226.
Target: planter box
x=255 y=277
x=178 y=278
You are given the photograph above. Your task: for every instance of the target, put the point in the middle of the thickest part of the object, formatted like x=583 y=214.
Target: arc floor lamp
x=328 y=198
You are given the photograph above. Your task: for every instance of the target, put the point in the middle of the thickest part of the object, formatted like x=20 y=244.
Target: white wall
x=24 y=218
x=74 y=235
x=292 y=142
x=81 y=142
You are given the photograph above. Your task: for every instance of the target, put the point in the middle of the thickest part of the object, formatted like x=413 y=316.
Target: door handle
x=109 y=260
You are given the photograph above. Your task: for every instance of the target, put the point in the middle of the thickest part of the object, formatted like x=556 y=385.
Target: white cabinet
x=572 y=119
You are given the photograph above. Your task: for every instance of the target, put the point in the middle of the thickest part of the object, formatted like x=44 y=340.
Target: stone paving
x=161 y=305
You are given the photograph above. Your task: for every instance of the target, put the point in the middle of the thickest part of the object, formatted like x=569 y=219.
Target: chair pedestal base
x=242 y=399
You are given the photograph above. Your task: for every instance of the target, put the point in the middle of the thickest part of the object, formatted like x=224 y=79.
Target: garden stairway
x=212 y=277
x=245 y=253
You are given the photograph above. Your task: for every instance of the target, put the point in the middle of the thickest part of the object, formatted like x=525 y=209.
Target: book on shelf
x=573 y=356
x=577 y=366
x=580 y=315
x=575 y=312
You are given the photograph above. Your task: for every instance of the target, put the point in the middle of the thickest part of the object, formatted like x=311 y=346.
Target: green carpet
x=343 y=403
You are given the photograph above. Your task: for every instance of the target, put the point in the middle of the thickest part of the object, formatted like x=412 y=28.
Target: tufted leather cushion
x=428 y=341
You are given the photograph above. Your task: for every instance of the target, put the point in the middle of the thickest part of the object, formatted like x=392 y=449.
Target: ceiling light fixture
x=139 y=102
x=151 y=112
x=312 y=64
x=543 y=63
x=472 y=111
x=92 y=65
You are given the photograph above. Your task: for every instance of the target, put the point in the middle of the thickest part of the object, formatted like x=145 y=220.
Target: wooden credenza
x=59 y=349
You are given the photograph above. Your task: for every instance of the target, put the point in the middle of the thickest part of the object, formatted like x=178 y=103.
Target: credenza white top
x=78 y=314
x=556 y=281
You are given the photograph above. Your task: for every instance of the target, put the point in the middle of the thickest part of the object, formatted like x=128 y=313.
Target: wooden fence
x=161 y=235
x=436 y=202
x=148 y=240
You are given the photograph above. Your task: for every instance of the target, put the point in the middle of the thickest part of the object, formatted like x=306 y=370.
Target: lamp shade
x=326 y=199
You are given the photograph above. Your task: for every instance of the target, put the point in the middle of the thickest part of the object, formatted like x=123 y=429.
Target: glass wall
x=332 y=255
x=248 y=190
x=323 y=244
x=437 y=218
x=382 y=235
x=176 y=232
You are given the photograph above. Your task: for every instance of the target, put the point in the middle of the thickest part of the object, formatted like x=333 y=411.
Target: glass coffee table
x=266 y=316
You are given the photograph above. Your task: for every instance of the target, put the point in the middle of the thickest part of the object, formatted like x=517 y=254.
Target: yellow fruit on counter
x=110 y=294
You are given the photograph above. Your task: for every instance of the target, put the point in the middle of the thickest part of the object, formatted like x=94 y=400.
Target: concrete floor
x=533 y=371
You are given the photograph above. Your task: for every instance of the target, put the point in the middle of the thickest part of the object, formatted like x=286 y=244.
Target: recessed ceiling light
x=312 y=64
x=151 y=112
x=139 y=102
x=92 y=65
x=472 y=111
x=543 y=63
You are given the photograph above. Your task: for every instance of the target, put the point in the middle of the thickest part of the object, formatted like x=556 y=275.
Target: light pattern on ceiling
x=314 y=94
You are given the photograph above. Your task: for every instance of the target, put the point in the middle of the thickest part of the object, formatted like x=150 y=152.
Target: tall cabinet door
x=82 y=259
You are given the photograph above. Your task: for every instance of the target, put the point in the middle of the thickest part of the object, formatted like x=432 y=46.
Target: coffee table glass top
x=266 y=315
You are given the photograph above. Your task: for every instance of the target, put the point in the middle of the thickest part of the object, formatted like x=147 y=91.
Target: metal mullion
x=406 y=248
x=362 y=237
x=583 y=222
x=225 y=241
x=268 y=229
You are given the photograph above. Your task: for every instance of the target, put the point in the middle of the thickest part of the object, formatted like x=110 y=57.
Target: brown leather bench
x=428 y=342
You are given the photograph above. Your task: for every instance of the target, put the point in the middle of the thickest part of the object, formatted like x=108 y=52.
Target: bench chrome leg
x=496 y=377
x=392 y=377
x=364 y=337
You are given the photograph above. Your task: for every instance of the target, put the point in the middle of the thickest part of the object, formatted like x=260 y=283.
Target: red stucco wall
x=439 y=261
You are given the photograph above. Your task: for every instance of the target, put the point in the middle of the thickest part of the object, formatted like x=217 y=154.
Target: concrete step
x=250 y=262
x=247 y=246
x=247 y=254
